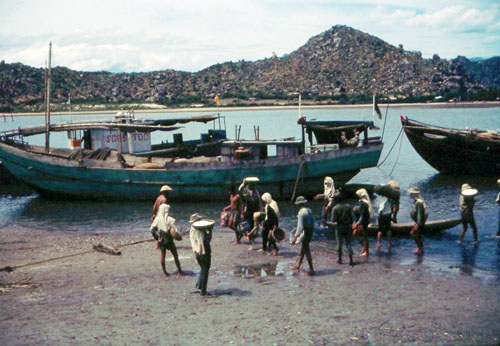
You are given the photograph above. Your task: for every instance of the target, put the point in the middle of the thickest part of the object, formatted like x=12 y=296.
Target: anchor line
x=397 y=158
x=12 y=268
x=381 y=163
x=298 y=177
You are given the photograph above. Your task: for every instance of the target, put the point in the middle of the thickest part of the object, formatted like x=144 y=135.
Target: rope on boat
x=397 y=158
x=11 y=268
x=381 y=163
x=385 y=121
x=297 y=179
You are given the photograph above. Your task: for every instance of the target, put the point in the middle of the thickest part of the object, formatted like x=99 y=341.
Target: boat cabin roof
x=338 y=123
x=281 y=142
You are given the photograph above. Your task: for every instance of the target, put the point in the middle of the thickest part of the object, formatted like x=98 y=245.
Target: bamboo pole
x=47 y=117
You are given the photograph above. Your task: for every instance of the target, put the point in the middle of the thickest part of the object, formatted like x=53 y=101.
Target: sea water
x=19 y=205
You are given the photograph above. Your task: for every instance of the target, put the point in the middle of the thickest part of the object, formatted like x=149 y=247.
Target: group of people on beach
x=248 y=210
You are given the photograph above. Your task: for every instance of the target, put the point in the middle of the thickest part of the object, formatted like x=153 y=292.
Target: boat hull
x=62 y=177
x=453 y=154
x=431 y=227
x=403 y=229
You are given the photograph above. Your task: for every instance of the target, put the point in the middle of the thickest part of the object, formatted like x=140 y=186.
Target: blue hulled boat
x=115 y=160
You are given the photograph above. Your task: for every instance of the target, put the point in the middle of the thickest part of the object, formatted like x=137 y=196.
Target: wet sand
x=96 y=298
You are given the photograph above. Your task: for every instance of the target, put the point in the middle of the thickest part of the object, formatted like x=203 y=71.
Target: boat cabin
x=337 y=134
x=260 y=149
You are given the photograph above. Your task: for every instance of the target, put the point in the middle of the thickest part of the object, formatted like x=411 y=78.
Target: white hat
x=467 y=190
x=414 y=190
x=252 y=180
x=165 y=188
x=195 y=217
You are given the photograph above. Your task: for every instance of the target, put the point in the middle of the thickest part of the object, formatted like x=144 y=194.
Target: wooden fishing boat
x=454 y=151
x=434 y=227
x=110 y=166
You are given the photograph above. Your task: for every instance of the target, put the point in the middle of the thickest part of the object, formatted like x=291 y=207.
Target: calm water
x=20 y=206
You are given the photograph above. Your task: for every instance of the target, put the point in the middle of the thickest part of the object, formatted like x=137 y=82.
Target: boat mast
x=47 y=99
x=373 y=108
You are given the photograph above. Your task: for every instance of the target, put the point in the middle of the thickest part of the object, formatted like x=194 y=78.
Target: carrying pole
x=47 y=98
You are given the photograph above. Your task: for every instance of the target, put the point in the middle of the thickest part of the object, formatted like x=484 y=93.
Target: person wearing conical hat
x=200 y=236
x=466 y=204
x=161 y=199
x=361 y=226
x=161 y=231
x=303 y=233
x=419 y=216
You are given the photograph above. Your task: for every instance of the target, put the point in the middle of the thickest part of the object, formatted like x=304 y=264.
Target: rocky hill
x=339 y=65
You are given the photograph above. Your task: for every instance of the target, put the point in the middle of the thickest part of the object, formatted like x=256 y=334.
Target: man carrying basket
x=164 y=231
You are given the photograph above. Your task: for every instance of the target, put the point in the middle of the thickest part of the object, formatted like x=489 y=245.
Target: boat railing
x=321 y=147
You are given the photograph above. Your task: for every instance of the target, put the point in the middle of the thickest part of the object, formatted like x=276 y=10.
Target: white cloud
x=190 y=35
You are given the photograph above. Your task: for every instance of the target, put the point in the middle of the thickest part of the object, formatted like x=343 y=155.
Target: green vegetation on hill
x=340 y=65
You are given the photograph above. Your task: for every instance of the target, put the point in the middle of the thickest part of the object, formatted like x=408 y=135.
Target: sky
x=190 y=35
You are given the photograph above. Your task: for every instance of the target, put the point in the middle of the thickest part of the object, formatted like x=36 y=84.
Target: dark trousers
x=268 y=241
x=498 y=234
x=344 y=234
x=204 y=261
x=468 y=220
x=305 y=250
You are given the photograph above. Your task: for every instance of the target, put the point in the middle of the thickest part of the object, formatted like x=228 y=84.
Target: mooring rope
x=397 y=158
x=11 y=268
x=381 y=163
x=385 y=121
x=298 y=177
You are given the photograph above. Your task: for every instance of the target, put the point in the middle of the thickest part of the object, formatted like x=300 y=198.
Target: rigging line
x=380 y=164
x=385 y=121
x=397 y=158
x=302 y=162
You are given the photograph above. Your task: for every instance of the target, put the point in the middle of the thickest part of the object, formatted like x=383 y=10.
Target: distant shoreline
x=478 y=104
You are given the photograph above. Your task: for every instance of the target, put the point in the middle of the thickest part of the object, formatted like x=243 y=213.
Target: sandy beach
x=95 y=298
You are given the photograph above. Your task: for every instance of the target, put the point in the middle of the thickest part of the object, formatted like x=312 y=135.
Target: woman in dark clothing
x=270 y=223
x=419 y=215
x=361 y=226
x=251 y=204
x=467 y=203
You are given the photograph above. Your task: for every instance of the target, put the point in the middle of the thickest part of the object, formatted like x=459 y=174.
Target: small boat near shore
x=403 y=229
x=431 y=227
x=455 y=151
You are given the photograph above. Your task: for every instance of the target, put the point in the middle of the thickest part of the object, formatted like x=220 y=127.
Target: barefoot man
x=161 y=199
x=303 y=233
x=161 y=231
x=418 y=215
x=342 y=214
